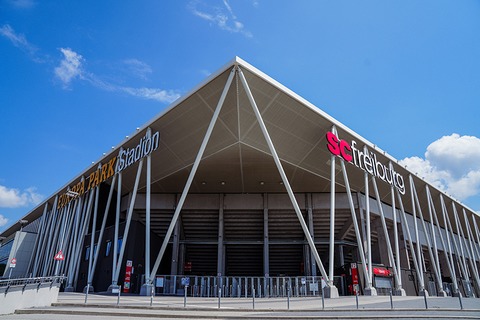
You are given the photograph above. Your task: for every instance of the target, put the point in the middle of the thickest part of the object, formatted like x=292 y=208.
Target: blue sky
x=76 y=77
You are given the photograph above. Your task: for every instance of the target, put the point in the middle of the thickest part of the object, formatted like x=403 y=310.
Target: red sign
x=354 y=269
x=382 y=272
x=128 y=275
x=367 y=161
x=59 y=256
x=188 y=266
x=13 y=263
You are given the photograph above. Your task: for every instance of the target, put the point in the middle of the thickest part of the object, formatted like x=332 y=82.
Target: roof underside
x=237 y=158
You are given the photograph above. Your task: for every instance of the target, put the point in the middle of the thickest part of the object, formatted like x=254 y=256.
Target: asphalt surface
x=72 y=306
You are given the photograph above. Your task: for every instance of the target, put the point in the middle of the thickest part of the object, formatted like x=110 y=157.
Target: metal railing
x=238 y=287
x=23 y=283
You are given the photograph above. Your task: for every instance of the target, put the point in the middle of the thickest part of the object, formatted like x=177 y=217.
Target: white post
x=192 y=174
x=419 y=246
x=333 y=290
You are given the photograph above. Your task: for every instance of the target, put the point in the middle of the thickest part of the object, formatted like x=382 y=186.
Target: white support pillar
x=39 y=241
x=102 y=230
x=368 y=226
x=331 y=291
x=431 y=211
x=477 y=232
x=474 y=255
x=92 y=238
x=446 y=250
x=450 y=233
x=196 y=163
x=368 y=281
x=148 y=285
x=129 y=220
x=470 y=256
x=114 y=284
x=436 y=272
x=395 y=236
x=406 y=228
x=422 y=290
x=399 y=291
x=331 y=246
x=83 y=226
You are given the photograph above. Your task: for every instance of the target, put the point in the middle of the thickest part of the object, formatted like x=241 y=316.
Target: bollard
x=118 y=297
x=391 y=300
x=323 y=298
x=86 y=293
x=185 y=298
x=151 y=296
x=253 y=298
x=288 y=298
x=356 y=299
x=460 y=299
x=425 y=298
x=219 y=297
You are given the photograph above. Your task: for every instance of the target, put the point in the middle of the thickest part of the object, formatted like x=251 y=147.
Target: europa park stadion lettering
x=123 y=160
x=366 y=162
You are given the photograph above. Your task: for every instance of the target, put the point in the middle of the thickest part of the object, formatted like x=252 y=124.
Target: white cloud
x=160 y=95
x=19 y=41
x=451 y=164
x=3 y=220
x=14 y=198
x=223 y=17
x=23 y=4
x=138 y=68
x=70 y=67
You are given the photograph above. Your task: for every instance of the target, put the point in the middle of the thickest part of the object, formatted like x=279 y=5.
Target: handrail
x=18 y=282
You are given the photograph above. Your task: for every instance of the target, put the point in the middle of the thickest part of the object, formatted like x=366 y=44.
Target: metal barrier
x=7 y=284
x=237 y=287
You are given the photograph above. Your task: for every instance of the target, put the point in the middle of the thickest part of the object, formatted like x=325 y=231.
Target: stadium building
x=241 y=187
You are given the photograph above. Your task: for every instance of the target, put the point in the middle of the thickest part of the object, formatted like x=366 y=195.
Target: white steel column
x=450 y=233
x=446 y=250
x=147 y=287
x=416 y=262
x=370 y=290
x=369 y=232
x=477 y=233
x=422 y=291
x=470 y=256
x=399 y=290
x=395 y=234
x=117 y=226
x=473 y=257
x=39 y=240
x=76 y=254
x=192 y=174
x=431 y=211
x=129 y=220
x=92 y=237
x=102 y=229
x=438 y=277
x=332 y=291
x=331 y=247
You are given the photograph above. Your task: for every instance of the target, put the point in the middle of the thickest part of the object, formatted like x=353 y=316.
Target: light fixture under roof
x=262 y=183
x=222 y=183
x=204 y=182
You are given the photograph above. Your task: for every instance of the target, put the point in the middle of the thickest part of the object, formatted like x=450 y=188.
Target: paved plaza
x=73 y=306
